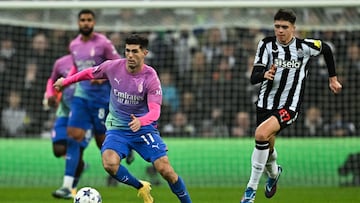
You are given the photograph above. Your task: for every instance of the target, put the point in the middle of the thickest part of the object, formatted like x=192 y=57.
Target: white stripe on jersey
x=287 y=87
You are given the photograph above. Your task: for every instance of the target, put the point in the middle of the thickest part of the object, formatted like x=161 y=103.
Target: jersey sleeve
x=100 y=71
x=155 y=91
x=261 y=57
x=314 y=45
x=110 y=51
x=55 y=74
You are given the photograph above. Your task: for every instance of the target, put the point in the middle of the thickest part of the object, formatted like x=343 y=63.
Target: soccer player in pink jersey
x=135 y=102
x=63 y=145
x=90 y=103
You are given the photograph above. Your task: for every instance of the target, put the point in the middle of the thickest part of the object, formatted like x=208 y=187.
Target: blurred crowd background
x=204 y=59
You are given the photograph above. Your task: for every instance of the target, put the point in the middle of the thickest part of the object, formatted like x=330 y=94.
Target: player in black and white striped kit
x=281 y=67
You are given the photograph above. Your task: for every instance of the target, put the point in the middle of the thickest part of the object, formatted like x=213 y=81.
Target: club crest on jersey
x=92 y=52
x=140 y=87
x=300 y=53
x=280 y=63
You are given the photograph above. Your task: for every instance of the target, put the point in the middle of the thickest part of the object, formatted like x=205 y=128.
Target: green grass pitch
x=162 y=194
x=215 y=171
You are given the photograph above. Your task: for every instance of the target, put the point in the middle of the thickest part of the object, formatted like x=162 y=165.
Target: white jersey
x=287 y=88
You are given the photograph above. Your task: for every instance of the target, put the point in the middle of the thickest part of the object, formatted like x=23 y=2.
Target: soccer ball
x=87 y=195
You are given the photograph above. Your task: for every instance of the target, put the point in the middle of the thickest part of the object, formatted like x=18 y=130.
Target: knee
x=110 y=167
x=167 y=172
x=76 y=133
x=261 y=136
x=59 y=150
x=111 y=163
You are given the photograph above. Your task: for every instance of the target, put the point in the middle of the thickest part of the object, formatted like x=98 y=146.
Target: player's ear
x=145 y=51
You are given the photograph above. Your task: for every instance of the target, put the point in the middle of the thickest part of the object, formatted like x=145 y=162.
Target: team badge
x=92 y=52
x=141 y=87
x=300 y=53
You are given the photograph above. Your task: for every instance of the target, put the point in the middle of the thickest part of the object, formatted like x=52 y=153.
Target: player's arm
x=334 y=84
x=259 y=74
x=50 y=91
x=72 y=70
x=86 y=74
x=154 y=99
x=151 y=116
x=51 y=96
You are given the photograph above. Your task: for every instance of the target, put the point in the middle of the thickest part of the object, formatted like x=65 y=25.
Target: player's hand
x=135 y=123
x=52 y=102
x=335 y=85
x=270 y=74
x=58 y=85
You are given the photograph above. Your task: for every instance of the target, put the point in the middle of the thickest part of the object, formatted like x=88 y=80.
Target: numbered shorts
x=87 y=114
x=285 y=116
x=148 y=144
x=59 y=133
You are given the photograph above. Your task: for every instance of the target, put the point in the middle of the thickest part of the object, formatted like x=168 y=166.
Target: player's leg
x=151 y=148
x=114 y=149
x=79 y=119
x=59 y=137
x=112 y=164
x=271 y=167
x=273 y=171
x=82 y=166
x=264 y=132
x=61 y=148
x=285 y=118
x=98 y=114
x=76 y=128
x=79 y=170
x=175 y=182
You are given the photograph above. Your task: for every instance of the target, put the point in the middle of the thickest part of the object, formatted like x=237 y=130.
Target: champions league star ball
x=87 y=195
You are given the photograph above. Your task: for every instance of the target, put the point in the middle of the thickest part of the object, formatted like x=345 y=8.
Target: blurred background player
x=89 y=105
x=63 y=145
x=135 y=104
x=280 y=67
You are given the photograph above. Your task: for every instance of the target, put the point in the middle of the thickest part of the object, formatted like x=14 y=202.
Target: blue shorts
x=148 y=144
x=59 y=132
x=88 y=115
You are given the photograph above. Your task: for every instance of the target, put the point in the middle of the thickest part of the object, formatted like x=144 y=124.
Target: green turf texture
x=215 y=170
x=307 y=162
x=199 y=195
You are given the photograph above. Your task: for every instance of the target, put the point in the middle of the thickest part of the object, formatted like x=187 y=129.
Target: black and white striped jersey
x=287 y=88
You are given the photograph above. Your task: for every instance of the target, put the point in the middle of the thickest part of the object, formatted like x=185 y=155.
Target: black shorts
x=285 y=116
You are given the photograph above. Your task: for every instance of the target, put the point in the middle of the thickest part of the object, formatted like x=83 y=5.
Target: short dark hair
x=138 y=40
x=86 y=11
x=285 y=14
